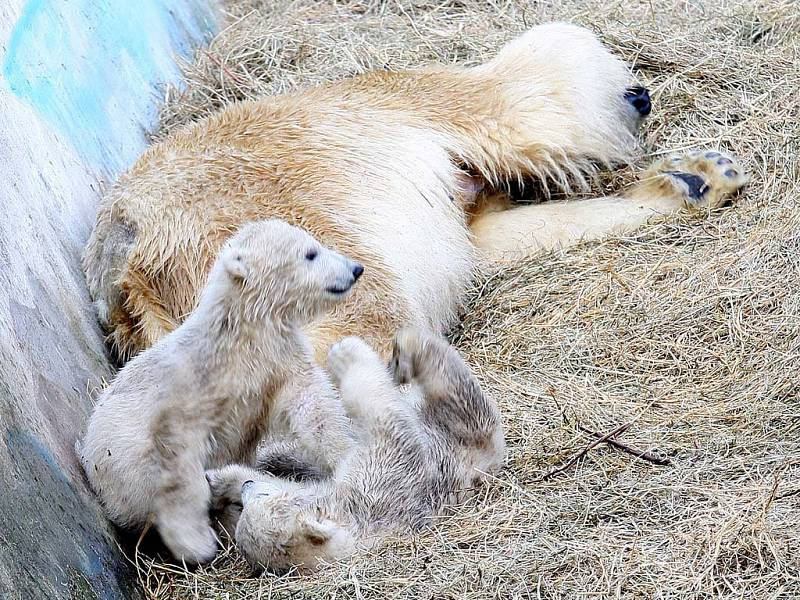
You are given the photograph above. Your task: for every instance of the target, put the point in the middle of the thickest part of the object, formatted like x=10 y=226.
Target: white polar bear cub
x=204 y=395
x=416 y=452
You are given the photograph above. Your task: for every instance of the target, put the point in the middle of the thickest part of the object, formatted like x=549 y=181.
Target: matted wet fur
x=381 y=167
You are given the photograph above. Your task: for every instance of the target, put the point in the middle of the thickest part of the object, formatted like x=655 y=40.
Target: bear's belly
x=408 y=215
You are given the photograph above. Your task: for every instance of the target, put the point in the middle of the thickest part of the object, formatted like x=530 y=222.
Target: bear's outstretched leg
x=453 y=401
x=695 y=181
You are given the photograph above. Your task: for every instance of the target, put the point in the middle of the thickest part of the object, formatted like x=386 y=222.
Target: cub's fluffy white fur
x=418 y=450
x=204 y=395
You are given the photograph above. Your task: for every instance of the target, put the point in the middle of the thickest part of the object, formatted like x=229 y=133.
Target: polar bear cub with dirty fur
x=418 y=450
x=204 y=395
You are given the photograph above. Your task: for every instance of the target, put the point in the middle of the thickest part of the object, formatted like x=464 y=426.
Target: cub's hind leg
x=453 y=401
x=695 y=181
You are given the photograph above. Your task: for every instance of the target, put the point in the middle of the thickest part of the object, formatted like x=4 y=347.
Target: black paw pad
x=639 y=98
x=696 y=184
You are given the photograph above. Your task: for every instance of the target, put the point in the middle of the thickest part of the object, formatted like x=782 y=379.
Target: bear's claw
x=696 y=185
x=702 y=179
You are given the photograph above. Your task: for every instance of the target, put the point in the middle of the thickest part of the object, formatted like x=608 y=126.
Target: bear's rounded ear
x=316 y=533
x=235 y=263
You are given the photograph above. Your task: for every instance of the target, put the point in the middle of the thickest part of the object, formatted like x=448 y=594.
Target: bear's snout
x=358 y=269
x=345 y=282
x=639 y=98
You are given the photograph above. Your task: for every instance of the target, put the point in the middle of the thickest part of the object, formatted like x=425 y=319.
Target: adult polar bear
x=377 y=168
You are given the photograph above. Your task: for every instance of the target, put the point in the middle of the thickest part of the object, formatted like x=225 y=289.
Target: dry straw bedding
x=687 y=330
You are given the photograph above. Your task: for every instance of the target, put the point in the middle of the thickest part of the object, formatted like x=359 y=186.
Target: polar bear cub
x=204 y=395
x=418 y=450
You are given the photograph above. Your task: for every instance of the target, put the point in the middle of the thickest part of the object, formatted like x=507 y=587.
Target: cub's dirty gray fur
x=418 y=450
x=204 y=395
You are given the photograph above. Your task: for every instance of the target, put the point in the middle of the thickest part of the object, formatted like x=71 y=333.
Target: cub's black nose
x=639 y=98
x=357 y=271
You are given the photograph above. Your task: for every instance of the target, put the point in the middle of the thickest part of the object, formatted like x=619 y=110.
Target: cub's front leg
x=310 y=412
x=181 y=504
x=365 y=386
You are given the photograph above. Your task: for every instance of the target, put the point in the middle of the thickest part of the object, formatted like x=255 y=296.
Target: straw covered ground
x=686 y=332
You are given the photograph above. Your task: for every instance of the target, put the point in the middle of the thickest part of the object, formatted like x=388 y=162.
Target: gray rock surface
x=77 y=93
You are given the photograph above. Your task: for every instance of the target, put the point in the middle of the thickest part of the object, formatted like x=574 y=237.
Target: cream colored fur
x=372 y=166
x=513 y=234
x=418 y=451
x=204 y=395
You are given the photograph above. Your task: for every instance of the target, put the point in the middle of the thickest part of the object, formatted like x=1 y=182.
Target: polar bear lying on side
x=416 y=452
x=378 y=167
x=204 y=395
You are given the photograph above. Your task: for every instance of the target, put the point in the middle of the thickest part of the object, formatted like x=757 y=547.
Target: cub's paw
x=701 y=179
x=408 y=345
x=194 y=543
x=345 y=354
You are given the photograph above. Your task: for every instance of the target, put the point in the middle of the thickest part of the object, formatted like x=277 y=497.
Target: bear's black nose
x=639 y=98
x=357 y=271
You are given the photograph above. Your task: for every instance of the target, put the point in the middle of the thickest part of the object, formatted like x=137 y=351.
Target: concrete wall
x=78 y=85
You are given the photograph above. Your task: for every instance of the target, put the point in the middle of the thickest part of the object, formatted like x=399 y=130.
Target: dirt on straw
x=688 y=330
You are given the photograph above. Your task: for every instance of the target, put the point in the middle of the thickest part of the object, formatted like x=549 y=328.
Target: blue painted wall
x=79 y=86
x=91 y=67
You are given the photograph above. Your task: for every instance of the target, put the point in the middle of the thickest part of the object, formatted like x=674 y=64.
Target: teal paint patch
x=92 y=68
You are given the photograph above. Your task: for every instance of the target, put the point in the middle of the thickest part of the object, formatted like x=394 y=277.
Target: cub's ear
x=235 y=263
x=317 y=533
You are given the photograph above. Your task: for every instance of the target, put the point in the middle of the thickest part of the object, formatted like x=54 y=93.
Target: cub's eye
x=311 y=255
